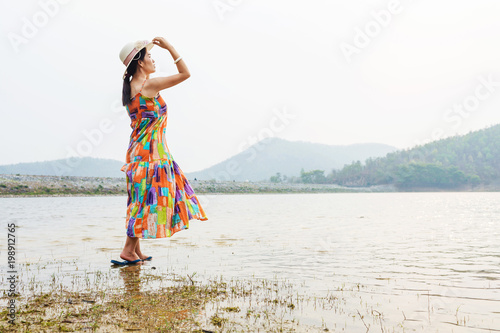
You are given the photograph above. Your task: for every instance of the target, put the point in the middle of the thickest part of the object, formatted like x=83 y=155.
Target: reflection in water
x=425 y=258
x=131 y=276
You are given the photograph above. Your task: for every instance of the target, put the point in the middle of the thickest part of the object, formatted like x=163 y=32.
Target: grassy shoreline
x=136 y=298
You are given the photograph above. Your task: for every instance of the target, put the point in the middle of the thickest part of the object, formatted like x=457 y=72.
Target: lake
x=419 y=261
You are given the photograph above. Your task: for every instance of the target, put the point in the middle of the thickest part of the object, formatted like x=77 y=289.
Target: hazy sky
x=332 y=72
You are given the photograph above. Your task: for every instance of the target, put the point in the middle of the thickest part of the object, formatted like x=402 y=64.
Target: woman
x=160 y=199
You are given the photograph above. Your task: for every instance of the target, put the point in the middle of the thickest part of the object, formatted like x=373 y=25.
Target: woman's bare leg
x=138 y=251
x=128 y=252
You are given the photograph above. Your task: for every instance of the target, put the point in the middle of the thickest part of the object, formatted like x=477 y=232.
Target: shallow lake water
x=421 y=261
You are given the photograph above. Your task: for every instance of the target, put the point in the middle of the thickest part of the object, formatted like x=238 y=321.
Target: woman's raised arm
x=160 y=83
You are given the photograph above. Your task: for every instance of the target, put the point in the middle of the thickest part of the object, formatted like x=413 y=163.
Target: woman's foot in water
x=130 y=256
x=143 y=257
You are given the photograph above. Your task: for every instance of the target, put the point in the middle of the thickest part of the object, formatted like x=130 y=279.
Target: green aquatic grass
x=64 y=297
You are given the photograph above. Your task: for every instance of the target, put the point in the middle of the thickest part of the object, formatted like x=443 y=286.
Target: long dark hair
x=131 y=69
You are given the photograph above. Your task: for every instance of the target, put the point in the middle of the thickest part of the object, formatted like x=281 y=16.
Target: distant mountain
x=459 y=161
x=76 y=166
x=259 y=162
x=272 y=155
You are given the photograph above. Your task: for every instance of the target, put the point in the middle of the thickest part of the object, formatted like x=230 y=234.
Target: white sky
x=246 y=64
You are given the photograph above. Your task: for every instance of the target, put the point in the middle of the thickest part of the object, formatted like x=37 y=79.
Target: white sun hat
x=130 y=50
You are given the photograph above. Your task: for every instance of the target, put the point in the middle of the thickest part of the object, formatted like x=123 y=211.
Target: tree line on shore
x=459 y=161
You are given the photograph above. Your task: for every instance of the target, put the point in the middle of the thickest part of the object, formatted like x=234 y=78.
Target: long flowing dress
x=160 y=199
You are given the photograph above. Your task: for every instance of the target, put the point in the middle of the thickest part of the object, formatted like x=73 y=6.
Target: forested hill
x=458 y=161
x=273 y=155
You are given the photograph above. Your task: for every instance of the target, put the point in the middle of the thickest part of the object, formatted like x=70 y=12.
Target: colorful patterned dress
x=160 y=199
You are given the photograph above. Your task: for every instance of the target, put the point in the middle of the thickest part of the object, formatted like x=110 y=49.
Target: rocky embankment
x=28 y=185
x=60 y=185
